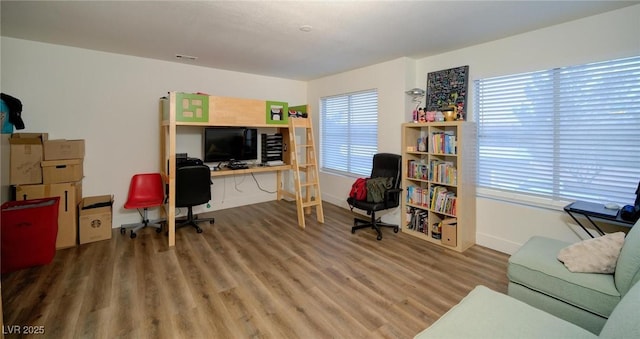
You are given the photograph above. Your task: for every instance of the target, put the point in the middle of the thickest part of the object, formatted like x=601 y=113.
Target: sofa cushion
x=623 y=322
x=628 y=267
x=597 y=255
x=484 y=313
x=535 y=266
x=575 y=315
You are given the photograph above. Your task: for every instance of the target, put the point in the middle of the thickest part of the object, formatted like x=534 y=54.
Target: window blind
x=349 y=132
x=570 y=133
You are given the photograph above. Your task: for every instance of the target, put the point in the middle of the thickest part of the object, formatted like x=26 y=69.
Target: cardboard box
x=95 y=215
x=449 y=232
x=57 y=171
x=62 y=149
x=26 y=153
x=70 y=194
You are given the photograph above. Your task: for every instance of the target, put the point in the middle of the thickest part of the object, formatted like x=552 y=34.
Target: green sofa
x=485 y=313
x=537 y=278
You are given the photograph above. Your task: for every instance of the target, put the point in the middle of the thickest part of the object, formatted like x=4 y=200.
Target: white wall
x=503 y=225
x=391 y=79
x=112 y=101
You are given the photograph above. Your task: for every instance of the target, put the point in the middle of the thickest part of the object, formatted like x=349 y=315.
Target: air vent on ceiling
x=186 y=57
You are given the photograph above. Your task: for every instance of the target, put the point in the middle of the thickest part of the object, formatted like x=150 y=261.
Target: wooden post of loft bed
x=171 y=177
x=225 y=111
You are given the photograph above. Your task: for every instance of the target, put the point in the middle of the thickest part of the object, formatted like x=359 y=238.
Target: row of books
x=443 y=172
x=436 y=198
x=443 y=143
x=438 y=170
x=443 y=200
x=418 y=196
x=417 y=220
x=417 y=170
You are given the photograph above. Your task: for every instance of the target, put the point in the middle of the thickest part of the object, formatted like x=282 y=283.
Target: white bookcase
x=439 y=182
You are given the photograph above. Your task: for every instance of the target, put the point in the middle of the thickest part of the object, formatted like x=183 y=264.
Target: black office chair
x=385 y=165
x=193 y=188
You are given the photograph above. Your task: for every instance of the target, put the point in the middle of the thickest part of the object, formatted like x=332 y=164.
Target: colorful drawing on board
x=447 y=90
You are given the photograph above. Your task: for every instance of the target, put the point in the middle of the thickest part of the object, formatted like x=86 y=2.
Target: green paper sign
x=277 y=112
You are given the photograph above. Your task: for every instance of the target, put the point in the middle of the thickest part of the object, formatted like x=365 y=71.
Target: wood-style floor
x=253 y=273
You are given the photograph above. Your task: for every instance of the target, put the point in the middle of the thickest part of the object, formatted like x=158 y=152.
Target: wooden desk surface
x=251 y=169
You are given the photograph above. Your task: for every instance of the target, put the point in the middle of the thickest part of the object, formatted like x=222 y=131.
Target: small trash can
x=29 y=231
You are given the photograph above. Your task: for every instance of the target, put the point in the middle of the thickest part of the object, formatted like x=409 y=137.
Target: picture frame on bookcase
x=447 y=90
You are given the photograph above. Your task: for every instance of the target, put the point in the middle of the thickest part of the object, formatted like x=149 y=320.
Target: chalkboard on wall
x=448 y=89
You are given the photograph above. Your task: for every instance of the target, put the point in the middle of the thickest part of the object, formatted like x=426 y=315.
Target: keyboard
x=236 y=165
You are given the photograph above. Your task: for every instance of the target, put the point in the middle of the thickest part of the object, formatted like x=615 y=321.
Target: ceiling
x=264 y=37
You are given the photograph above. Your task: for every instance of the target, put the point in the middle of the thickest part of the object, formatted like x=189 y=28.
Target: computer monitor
x=230 y=143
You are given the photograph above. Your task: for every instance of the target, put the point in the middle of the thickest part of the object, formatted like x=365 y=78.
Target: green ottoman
x=485 y=313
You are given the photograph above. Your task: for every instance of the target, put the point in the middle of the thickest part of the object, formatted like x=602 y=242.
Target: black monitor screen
x=230 y=143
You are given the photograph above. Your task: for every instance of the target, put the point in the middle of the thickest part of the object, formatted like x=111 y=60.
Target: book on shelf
x=418 y=196
x=410 y=195
x=421 y=221
x=417 y=170
x=442 y=200
x=425 y=197
x=443 y=172
x=409 y=217
x=417 y=220
x=443 y=142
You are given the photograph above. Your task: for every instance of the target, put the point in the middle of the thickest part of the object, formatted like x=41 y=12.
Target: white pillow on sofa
x=597 y=255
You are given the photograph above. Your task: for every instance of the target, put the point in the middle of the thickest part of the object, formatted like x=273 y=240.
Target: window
x=349 y=132
x=569 y=133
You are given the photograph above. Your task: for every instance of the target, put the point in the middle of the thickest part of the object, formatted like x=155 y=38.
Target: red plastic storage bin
x=29 y=231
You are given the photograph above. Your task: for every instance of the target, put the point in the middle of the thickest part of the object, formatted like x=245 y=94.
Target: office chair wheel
x=211 y=222
x=133 y=235
x=198 y=229
x=353 y=231
x=122 y=230
x=158 y=230
x=396 y=229
x=379 y=237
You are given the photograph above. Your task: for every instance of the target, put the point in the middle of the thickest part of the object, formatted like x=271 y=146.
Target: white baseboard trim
x=498 y=244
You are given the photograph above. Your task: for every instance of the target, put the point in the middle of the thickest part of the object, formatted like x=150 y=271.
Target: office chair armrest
x=388 y=192
x=391 y=195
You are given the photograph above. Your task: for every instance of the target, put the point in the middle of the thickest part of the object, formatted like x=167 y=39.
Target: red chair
x=145 y=191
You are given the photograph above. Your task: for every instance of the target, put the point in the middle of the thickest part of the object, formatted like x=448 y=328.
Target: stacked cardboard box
x=70 y=194
x=42 y=168
x=63 y=163
x=26 y=154
x=63 y=160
